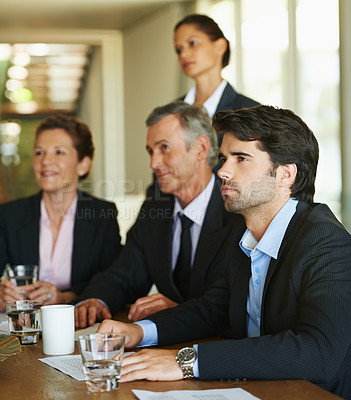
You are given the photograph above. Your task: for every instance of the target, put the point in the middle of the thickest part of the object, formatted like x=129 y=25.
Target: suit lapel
x=211 y=238
x=239 y=289
x=29 y=234
x=161 y=236
x=83 y=233
x=227 y=99
x=276 y=264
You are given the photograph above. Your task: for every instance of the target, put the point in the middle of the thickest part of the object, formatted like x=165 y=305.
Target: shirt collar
x=196 y=210
x=272 y=239
x=210 y=105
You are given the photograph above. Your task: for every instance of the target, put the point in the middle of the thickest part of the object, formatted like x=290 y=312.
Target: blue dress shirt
x=261 y=253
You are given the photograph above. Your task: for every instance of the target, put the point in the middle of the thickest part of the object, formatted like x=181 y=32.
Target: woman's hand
x=48 y=293
x=9 y=292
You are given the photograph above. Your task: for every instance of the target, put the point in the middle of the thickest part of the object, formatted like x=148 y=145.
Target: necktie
x=182 y=270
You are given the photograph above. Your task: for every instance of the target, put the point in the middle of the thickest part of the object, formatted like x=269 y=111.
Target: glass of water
x=102 y=358
x=24 y=320
x=21 y=275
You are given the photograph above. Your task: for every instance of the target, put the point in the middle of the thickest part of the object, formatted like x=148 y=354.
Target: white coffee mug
x=57 y=322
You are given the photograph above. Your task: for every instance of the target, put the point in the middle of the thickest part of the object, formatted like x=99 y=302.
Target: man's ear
x=288 y=175
x=203 y=146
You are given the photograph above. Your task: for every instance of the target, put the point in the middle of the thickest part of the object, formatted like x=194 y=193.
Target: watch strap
x=188 y=371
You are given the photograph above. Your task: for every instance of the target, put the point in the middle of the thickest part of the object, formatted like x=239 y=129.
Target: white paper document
x=211 y=394
x=70 y=365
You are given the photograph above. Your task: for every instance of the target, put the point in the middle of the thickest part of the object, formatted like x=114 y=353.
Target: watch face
x=187 y=354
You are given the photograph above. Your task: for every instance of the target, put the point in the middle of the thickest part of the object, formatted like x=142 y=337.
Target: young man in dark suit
x=182 y=148
x=284 y=299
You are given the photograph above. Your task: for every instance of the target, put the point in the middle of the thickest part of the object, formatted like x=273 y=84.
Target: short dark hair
x=78 y=131
x=207 y=25
x=280 y=133
x=193 y=119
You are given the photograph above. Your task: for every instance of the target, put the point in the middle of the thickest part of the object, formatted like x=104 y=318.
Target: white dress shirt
x=211 y=104
x=196 y=212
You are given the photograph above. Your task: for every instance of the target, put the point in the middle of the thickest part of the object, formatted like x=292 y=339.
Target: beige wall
x=90 y=111
x=102 y=107
x=151 y=78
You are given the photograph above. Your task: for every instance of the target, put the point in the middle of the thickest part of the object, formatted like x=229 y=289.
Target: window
x=286 y=53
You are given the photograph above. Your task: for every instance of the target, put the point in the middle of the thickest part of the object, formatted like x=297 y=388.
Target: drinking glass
x=102 y=357
x=21 y=275
x=24 y=320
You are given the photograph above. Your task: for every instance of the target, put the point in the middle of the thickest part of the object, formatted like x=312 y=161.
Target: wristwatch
x=186 y=358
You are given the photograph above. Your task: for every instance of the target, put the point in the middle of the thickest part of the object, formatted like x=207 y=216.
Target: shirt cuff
x=150 y=333
x=196 y=363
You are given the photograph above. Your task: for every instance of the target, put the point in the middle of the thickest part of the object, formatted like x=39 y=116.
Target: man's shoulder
x=315 y=222
x=317 y=243
x=157 y=208
x=318 y=213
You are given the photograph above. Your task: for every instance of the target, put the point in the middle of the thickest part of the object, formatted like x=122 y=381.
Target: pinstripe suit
x=306 y=318
x=146 y=257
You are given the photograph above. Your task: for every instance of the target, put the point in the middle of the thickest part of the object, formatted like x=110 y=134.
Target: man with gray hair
x=178 y=240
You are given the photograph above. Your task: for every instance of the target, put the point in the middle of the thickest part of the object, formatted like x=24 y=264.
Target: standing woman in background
x=203 y=51
x=67 y=232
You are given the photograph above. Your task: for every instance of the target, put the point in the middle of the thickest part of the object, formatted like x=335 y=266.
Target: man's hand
x=89 y=312
x=153 y=365
x=148 y=305
x=134 y=333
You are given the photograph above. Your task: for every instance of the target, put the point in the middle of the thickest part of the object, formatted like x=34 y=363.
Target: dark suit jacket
x=146 y=257
x=232 y=100
x=306 y=319
x=96 y=236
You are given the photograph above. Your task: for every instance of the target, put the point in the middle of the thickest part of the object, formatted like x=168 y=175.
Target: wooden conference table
x=24 y=377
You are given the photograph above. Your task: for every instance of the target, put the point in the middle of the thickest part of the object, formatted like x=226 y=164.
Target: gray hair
x=195 y=122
